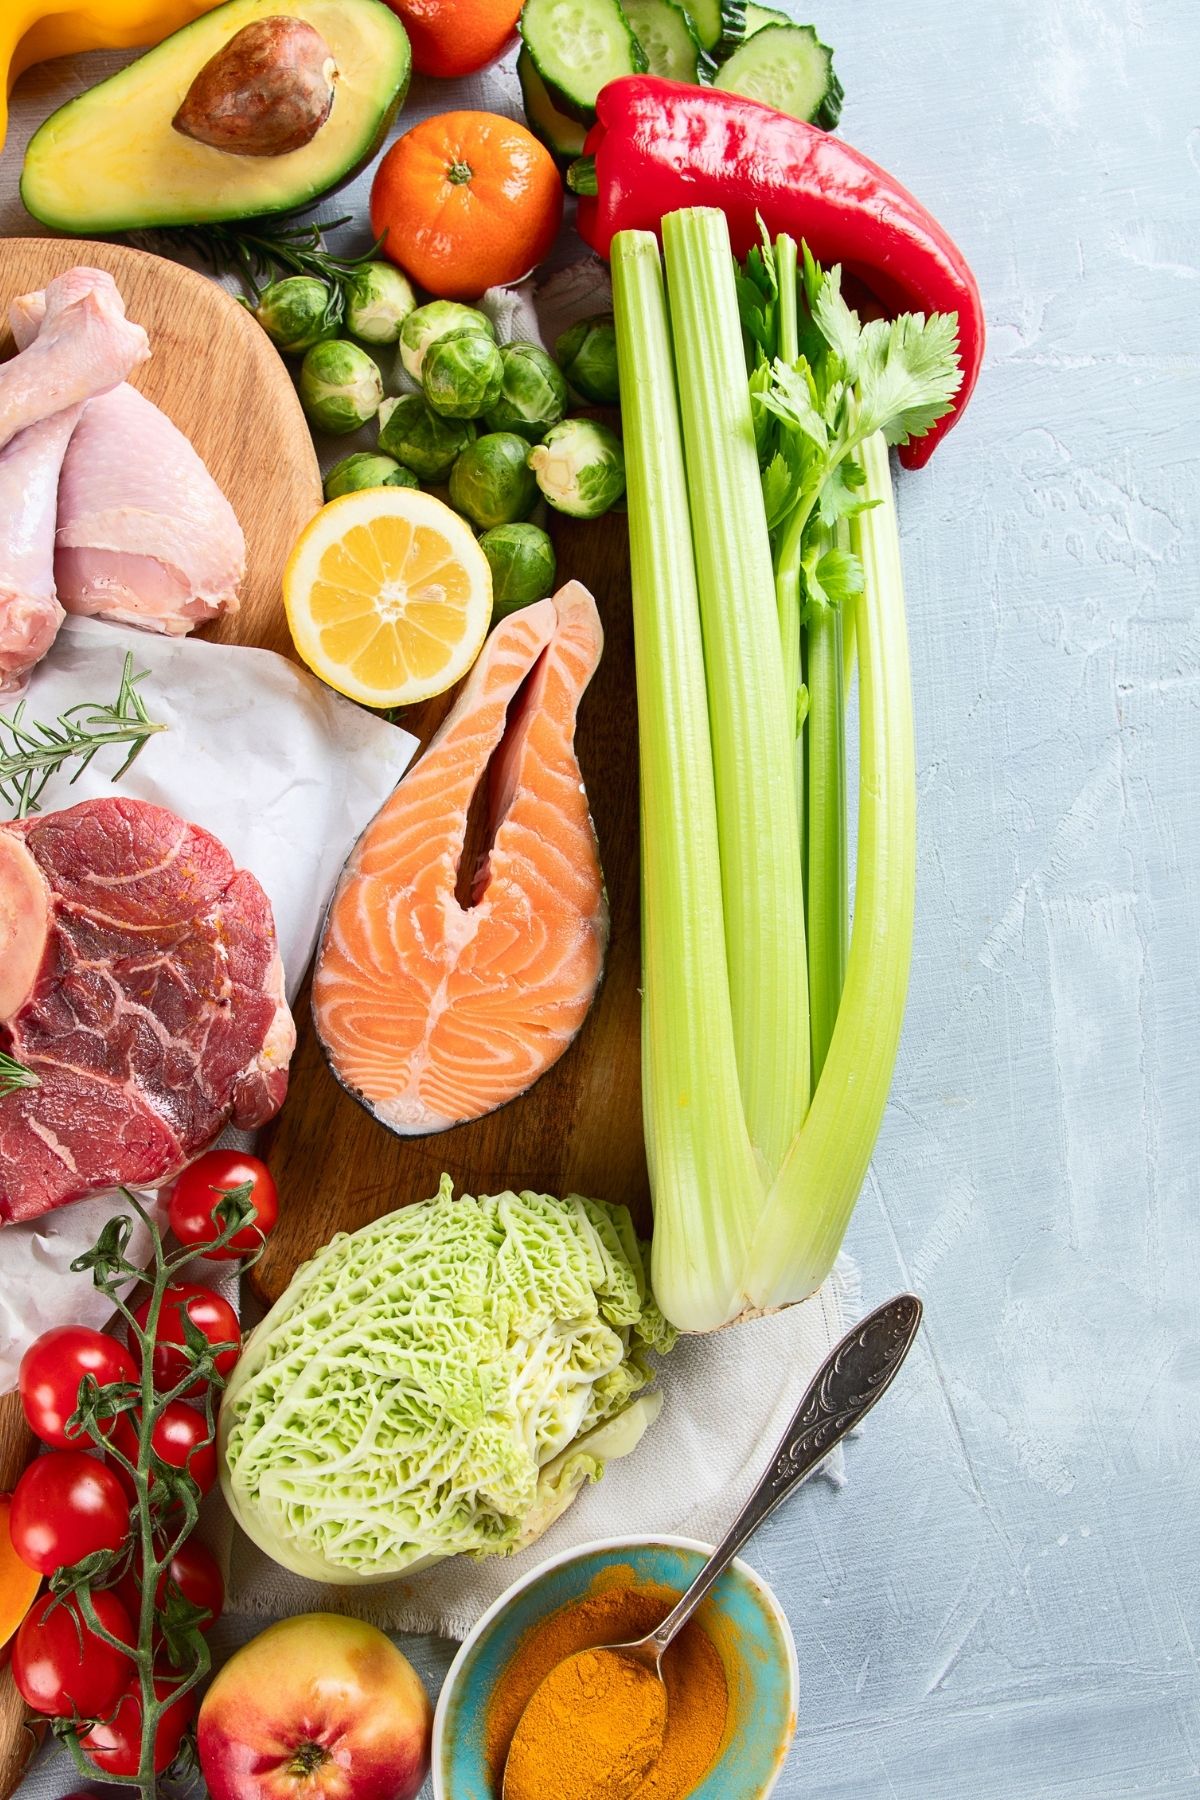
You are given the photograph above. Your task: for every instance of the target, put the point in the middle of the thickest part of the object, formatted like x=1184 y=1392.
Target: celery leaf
x=907 y=374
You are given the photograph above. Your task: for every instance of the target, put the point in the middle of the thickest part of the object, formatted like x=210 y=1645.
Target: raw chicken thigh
x=93 y=346
x=145 y=536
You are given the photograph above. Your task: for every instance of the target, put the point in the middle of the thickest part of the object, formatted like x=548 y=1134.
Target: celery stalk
x=751 y=715
x=706 y=1184
x=810 y=1202
x=787 y=574
x=825 y=879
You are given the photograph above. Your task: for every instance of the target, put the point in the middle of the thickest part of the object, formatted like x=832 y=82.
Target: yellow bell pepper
x=31 y=31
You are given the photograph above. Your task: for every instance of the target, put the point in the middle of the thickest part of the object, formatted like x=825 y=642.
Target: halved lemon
x=388 y=596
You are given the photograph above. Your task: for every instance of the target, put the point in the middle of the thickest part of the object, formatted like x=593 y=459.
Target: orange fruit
x=468 y=201
x=456 y=37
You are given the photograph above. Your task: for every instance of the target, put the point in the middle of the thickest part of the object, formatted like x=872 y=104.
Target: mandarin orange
x=467 y=201
x=456 y=37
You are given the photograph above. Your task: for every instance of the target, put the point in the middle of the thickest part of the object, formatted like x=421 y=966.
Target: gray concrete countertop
x=1005 y=1600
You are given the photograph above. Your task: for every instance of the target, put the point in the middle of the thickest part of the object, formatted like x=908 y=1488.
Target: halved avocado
x=111 y=161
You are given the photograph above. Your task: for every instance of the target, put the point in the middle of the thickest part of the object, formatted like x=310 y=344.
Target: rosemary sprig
x=14 y=1076
x=261 y=253
x=31 y=753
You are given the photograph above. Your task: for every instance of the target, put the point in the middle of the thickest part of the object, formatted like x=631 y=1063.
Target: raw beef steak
x=141 y=984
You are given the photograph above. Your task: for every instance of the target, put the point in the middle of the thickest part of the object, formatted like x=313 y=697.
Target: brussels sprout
x=522 y=562
x=378 y=300
x=366 y=470
x=415 y=435
x=461 y=375
x=587 y=355
x=491 y=483
x=340 y=386
x=580 y=467
x=533 y=394
x=294 y=313
x=436 y=320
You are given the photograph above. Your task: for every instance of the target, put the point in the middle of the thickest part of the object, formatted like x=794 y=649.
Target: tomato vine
x=167 y=1498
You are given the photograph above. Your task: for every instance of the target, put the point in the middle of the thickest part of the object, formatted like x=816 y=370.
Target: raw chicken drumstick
x=89 y=316
x=85 y=345
x=145 y=535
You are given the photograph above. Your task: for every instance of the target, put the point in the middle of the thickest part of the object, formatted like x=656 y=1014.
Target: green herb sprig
x=14 y=1076
x=822 y=383
x=263 y=253
x=167 y=1499
x=31 y=752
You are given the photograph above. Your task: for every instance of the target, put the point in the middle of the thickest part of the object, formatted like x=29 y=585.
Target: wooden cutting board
x=580 y=1126
x=217 y=376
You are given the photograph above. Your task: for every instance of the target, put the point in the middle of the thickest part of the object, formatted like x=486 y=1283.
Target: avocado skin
x=333 y=158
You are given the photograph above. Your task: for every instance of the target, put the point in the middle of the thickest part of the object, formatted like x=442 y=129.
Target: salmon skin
x=432 y=1013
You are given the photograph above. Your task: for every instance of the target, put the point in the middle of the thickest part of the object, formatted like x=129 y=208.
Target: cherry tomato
x=194 y=1571
x=116 y=1744
x=65 y=1506
x=51 y=1371
x=59 y=1664
x=180 y=1438
x=200 y=1188
x=208 y=1312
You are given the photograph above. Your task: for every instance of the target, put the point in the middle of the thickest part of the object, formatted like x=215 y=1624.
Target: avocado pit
x=266 y=92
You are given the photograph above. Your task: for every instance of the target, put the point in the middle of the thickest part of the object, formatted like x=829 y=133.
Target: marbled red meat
x=140 y=982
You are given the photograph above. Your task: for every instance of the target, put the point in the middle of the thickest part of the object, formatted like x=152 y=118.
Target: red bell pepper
x=659 y=145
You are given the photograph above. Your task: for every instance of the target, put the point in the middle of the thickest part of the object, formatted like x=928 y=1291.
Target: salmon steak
x=431 y=1011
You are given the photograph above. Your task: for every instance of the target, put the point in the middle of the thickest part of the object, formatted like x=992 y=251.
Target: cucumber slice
x=791 y=69
x=578 y=47
x=717 y=23
x=758 y=16
x=665 y=33
x=563 y=137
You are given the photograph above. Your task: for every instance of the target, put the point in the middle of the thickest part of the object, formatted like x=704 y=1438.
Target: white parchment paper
x=284 y=771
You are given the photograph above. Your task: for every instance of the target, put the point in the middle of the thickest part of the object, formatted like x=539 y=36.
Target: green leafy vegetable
x=533 y=394
x=492 y=483
x=31 y=751
x=580 y=467
x=412 y=433
x=831 y=384
x=297 y=313
x=764 y=543
x=340 y=386
x=432 y=322
x=522 y=561
x=430 y=1385
x=366 y=469
x=378 y=300
x=461 y=374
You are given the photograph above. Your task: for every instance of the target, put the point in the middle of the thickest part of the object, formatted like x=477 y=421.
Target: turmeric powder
x=618 y=1608
x=598 y=1721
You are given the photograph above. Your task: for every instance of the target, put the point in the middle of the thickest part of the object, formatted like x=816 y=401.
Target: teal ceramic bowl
x=753 y=1636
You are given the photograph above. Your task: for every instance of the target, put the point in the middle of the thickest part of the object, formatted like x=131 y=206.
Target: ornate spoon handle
x=843 y=1391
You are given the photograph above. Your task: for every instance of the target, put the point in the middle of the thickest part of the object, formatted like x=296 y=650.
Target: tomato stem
x=158 y=1689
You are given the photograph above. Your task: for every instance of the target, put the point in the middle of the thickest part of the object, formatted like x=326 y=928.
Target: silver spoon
x=845 y=1388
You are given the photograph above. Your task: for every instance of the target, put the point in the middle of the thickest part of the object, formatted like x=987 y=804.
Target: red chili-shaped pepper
x=659 y=145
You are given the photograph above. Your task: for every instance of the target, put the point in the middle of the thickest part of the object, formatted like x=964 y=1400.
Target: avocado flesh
x=111 y=161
